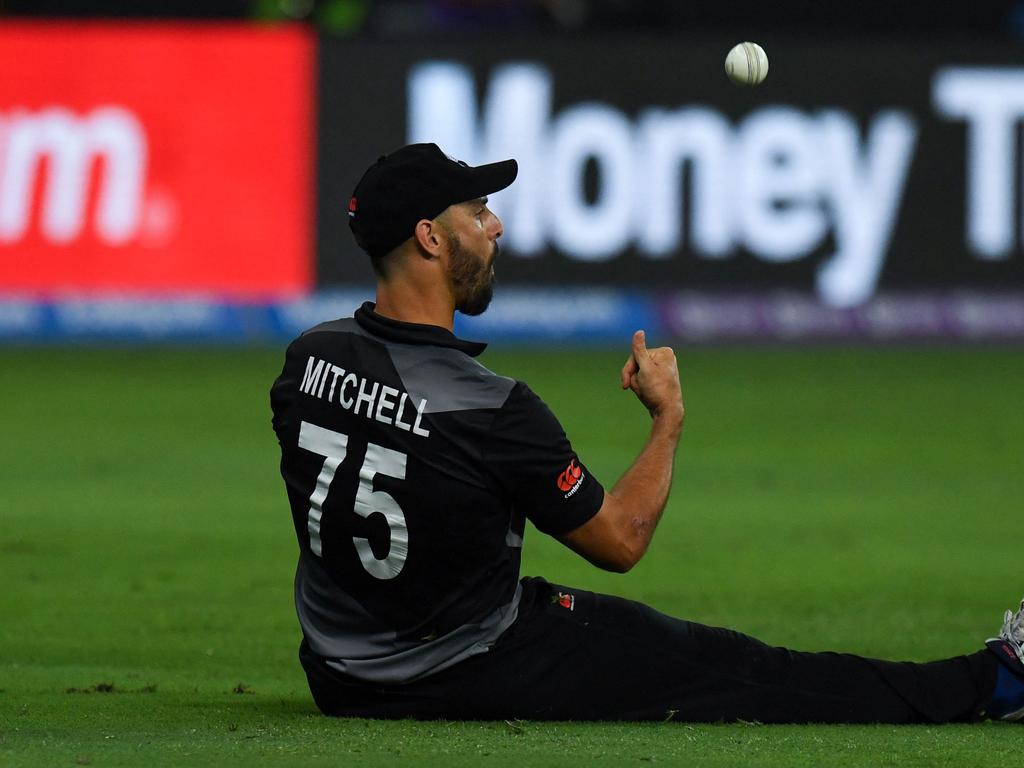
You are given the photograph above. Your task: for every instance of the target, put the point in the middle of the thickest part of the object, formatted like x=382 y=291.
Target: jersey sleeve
x=537 y=467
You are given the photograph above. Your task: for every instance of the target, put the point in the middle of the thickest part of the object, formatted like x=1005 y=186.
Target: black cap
x=416 y=182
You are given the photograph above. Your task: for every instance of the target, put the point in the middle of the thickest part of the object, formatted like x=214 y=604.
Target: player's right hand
x=653 y=376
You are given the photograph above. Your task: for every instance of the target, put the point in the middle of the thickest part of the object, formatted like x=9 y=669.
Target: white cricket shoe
x=1008 y=702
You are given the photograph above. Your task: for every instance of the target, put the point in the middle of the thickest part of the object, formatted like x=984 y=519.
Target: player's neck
x=414 y=306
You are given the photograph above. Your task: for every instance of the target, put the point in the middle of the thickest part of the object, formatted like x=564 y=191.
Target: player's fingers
x=640 y=353
x=662 y=355
x=628 y=371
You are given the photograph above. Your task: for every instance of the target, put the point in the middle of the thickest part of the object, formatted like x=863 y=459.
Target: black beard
x=473 y=281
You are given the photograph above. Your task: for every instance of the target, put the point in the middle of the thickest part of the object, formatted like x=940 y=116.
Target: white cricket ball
x=746 y=64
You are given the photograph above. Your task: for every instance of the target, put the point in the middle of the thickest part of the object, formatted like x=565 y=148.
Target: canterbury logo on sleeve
x=570 y=480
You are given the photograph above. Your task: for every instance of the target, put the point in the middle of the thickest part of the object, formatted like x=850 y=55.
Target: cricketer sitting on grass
x=411 y=470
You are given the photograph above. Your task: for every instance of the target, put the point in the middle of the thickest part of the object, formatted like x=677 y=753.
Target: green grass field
x=866 y=500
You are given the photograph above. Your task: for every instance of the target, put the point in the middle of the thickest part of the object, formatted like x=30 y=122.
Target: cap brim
x=490 y=178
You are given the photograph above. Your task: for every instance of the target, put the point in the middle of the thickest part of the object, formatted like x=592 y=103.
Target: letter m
x=312 y=376
x=71 y=147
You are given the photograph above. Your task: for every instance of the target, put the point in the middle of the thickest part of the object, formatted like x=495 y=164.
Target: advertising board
x=155 y=160
x=857 y=167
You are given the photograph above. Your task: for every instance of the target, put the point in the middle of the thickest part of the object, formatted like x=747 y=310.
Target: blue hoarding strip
x=534 y=316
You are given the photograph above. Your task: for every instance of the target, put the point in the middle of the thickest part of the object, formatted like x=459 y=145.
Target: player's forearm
x=643 y=490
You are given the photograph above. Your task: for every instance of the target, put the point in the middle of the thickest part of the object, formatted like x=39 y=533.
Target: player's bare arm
x=617 y=537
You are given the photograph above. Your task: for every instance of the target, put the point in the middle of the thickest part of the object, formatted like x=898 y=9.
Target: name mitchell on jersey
x=378 y=398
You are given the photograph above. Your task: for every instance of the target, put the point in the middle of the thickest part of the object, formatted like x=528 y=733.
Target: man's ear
x=430 y=238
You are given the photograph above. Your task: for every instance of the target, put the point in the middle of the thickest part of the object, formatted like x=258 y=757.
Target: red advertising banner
x=156 y=159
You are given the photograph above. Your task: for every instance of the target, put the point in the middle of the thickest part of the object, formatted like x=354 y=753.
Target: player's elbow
x=633 y=544
x=615 y=539
x=613 y=565
x=613 y=556
x=625 y=556
x=622 y=566
x=629 y=543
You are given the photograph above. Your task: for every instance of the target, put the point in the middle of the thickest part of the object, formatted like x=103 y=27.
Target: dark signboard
x=856 y=166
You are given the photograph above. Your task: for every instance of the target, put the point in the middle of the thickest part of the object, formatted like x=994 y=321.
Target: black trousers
x=577 y=655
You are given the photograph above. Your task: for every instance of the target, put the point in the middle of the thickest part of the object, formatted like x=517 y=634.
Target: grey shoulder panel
x=344 y=325
x=449 y=380
x=446 y=378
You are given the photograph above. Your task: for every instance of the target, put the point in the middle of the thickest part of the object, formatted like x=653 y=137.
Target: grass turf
x=865 y=500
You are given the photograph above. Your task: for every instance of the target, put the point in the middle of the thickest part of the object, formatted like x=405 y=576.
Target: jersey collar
x=413 y=333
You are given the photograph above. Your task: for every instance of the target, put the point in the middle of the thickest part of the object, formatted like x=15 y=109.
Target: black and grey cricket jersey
x=411 y=469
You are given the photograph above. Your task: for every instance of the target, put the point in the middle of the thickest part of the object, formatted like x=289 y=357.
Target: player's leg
x=577 y=655
x=600 y=657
